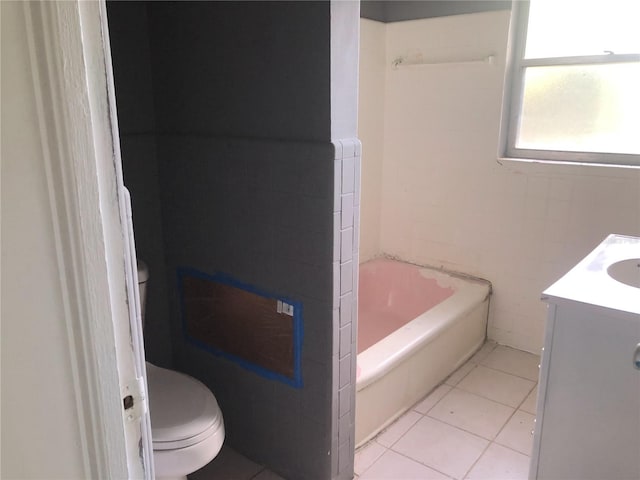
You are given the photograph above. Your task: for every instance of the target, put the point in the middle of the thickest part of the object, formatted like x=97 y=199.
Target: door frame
x=75 y=97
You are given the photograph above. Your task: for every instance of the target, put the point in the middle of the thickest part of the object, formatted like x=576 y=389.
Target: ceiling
x=397 y=11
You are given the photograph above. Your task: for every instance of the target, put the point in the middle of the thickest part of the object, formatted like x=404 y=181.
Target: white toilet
x=187 y=428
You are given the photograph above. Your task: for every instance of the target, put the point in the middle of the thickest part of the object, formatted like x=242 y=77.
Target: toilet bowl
x=187 y=428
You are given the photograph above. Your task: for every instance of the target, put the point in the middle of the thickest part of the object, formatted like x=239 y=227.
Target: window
x=572 y=92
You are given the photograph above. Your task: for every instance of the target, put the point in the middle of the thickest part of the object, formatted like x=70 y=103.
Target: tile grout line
x=390 y=448
x=475 y=365
x=403 y=434
x=438 y=401
x=513 y=450
x=473 y=433
x=508 y=373
x=506 y=423
x=492 y=400
x=373 y=440
x=439 y=471
x=518 y=409
x=466 y=474
x=422 y=463
x=491 y=442
x=458 y=428
x=535 y=384
x=515 y=410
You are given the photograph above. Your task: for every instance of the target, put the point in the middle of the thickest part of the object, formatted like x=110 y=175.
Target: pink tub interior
x=391 y=294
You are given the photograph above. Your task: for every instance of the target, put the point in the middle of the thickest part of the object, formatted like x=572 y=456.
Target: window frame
x=516 y=66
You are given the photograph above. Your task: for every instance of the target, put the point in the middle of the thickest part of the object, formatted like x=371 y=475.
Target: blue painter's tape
x=298 y=330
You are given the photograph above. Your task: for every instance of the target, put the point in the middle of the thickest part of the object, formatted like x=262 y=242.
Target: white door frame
x=74 y=93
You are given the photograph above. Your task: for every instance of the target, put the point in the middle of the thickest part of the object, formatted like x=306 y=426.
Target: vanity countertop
x=590 y=281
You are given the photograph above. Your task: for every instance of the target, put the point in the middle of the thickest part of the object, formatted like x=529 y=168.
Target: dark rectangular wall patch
x=260 y=331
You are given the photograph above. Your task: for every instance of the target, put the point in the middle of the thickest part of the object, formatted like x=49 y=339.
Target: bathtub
x=416 y=325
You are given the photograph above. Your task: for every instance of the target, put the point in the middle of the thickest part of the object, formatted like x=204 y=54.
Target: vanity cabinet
x=588 y=411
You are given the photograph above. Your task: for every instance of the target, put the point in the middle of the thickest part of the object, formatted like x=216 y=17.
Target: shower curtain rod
x=404 y=62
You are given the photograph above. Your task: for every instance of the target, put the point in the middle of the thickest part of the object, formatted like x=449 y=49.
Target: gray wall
x=130 y=51
x=243 y=100
x=250 y=161
x=396 y=11
x=243 y=69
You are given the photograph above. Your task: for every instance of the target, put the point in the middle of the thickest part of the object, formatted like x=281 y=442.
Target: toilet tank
x=143 y=276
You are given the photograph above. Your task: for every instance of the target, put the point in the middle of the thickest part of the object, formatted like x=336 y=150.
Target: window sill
x=526 y=165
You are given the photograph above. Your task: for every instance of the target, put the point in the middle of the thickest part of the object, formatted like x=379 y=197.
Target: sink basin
x=626 y=271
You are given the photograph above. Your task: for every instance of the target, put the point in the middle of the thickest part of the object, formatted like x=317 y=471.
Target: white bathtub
x=446 y=322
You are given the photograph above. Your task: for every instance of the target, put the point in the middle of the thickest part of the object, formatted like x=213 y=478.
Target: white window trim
x=512 y=99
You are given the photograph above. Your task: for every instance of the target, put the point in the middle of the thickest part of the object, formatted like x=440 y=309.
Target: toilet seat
x=183 y=410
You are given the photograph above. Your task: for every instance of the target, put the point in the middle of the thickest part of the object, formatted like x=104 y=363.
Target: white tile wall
x=346 y=232
x=371 y=132
x=445 y=201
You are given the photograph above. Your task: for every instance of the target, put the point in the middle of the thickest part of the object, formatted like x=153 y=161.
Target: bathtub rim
x=380 y=358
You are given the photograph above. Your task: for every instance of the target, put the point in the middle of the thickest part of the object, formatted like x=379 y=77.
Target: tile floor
x=476 y=425
x=230 y=465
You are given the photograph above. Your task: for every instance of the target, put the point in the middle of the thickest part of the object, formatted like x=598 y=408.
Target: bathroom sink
x=609 y=277
x=626 y=271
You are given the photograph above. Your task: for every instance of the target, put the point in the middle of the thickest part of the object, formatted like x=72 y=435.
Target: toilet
x=187 y=427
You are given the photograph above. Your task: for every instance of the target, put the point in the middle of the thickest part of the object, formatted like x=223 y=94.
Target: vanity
x=588 y=411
